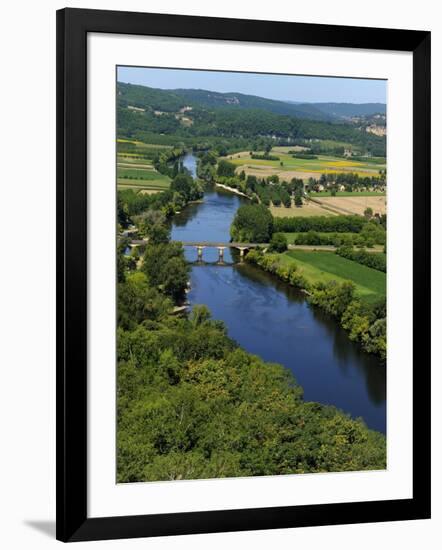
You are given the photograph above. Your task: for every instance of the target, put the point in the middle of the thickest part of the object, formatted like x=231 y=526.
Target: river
x=269 y=318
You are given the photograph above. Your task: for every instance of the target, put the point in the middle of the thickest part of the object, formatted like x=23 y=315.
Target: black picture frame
x=73 y=25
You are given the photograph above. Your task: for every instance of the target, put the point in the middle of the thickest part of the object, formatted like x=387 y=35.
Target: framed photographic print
x=243 y=303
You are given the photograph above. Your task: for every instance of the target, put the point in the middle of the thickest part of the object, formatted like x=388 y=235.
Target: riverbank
x=232 y=190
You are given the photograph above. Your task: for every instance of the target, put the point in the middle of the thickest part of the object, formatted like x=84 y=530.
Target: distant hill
x=236 y=100
x=173 y=100
x=349 y=110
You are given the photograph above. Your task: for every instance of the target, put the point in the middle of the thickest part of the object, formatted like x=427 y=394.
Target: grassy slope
x=326 y=266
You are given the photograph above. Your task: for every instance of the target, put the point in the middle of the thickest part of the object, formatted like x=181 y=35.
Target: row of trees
x=323 y=224
x=370 y=234
x=374 y=260
x=351 y=181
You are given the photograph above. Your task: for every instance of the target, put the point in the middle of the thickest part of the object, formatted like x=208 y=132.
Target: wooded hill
x=201 y=114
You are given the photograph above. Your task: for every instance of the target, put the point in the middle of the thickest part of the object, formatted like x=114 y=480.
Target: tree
x=226 y=169
x=252 y=223
x=137 y=302
x=159 y=234
x=278 y=243
x=368 y=213
x=182 y=183
x=298 y=199
x=175 y=274
x=200 y=314
x=166 y=268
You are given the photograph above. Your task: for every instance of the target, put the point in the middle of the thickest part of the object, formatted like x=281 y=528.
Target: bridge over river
x=242 y=247
x=221 y=246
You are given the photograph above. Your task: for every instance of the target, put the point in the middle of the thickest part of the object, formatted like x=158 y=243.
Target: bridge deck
x=217 y=244
x=207 y=244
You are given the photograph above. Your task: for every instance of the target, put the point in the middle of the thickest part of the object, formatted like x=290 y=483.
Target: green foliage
x=225 y=169
x=370 y=235
x=166 y=268
x=191 y=405
x=333 y=297
x=186 y=187
x=298 y=200
x=325 y=224
x=137 y=302
x=252 y=223
x=278 y=242
x=265 y=156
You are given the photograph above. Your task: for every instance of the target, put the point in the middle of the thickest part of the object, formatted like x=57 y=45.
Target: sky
x=308 y=89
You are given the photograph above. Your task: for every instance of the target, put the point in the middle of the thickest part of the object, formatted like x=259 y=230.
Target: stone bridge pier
x=242 y=251
x=221 y=254
x=200 y=249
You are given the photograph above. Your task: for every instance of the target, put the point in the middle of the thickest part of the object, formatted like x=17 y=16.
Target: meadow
x=326 y=266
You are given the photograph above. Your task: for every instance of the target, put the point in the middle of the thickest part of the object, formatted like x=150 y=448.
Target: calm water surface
x=269 y=318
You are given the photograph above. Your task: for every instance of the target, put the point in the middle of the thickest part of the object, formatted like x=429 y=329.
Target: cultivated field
x=327 y=266
x=288 y=167
x=307 y=209
x=355 y=204
x=135 y=169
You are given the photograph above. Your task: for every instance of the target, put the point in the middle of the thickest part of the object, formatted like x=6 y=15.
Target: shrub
x=278 y=243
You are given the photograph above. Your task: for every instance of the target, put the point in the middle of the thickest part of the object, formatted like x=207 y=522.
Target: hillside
x=242 y=101
x=191 y=115
x=348 y=110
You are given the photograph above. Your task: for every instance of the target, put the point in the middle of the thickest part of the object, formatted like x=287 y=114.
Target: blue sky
x=282 y=87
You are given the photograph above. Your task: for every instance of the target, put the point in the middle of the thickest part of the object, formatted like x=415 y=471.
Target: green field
x=327 y=266
x=127 y=159
x=139 y=173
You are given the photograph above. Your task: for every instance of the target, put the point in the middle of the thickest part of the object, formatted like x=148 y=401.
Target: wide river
x=270 y=319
